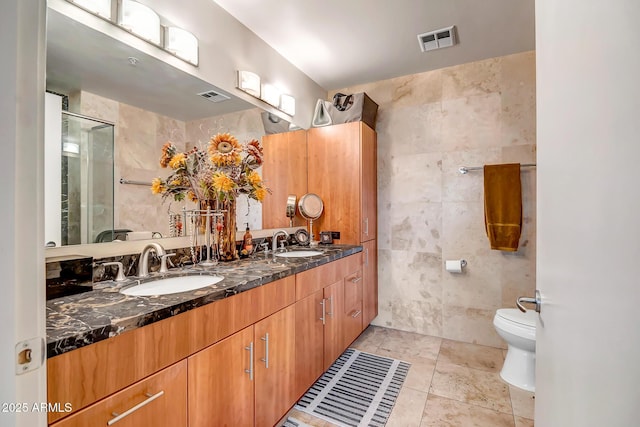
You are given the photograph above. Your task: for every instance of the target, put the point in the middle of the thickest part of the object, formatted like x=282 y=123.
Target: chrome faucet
x=274 y=239
x=143 y=267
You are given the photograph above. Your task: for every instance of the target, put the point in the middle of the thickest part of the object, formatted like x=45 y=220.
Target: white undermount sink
x=299 y=254
x=172 y=285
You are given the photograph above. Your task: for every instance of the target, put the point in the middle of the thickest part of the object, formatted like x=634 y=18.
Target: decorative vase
x=227 y=250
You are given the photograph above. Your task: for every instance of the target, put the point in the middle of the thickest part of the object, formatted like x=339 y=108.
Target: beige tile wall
x=139 y=136
x=428 y=125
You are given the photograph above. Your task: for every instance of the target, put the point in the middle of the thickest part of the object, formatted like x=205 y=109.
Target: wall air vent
x=214 y=96
x=437 y=39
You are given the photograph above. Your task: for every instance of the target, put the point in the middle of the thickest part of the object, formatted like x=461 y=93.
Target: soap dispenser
x=247 y=241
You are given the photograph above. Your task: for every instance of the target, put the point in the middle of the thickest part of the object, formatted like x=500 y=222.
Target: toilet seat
x=515 y=322
x=516 y=316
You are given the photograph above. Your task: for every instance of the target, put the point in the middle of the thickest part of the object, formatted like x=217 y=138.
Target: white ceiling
x=337 y=43
x=340 y=43
x=80 y=58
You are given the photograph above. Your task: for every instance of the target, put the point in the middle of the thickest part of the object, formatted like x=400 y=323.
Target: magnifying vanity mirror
x=291 y=208
x=311 y=208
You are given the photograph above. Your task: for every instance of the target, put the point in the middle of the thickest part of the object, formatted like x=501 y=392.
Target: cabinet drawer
x=351 y=324
x=352 y=264
x=160 y=400
x=353 y=291
x=313 y=280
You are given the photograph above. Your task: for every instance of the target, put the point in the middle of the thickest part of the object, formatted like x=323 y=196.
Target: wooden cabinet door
x=334 y=174
x=334 y=307
x=221 y=391
x=309 y=341
x=369 y=282
x=274 y=342
x=160 y=400
x=284 y=171
x=369 y=186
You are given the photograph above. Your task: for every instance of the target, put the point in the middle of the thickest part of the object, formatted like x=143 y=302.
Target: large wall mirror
x=149 y=102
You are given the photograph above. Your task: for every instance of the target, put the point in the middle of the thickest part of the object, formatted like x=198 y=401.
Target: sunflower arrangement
x=221 y=172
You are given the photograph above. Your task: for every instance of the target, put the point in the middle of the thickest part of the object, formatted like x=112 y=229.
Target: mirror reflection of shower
x=83 y=206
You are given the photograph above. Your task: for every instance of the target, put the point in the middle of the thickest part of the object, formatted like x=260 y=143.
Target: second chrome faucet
x=143 y=266
x=274 y=239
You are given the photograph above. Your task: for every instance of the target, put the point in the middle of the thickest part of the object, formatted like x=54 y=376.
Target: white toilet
x=518 y=329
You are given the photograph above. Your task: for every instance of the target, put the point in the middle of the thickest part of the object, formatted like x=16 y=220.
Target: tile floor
x=450 y=383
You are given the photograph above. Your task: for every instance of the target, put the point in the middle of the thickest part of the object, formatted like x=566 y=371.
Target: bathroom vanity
x=240 y=352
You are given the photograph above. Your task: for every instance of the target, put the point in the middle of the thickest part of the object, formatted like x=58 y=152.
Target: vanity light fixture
x=287 y=104
x=181 y=43
x=98 y=7
x=249 y=82
x=143 y=22
x=140 y=20
x=271 y=94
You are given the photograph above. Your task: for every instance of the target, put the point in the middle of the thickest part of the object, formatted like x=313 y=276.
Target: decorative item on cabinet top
x=274 y=124
x=346 y=109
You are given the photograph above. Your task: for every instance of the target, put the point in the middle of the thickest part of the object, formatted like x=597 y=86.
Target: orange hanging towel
x=503 y=205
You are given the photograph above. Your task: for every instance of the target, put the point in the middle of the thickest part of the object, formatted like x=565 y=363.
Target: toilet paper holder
x=455 y=266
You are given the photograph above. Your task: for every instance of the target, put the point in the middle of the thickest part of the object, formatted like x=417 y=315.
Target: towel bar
x=132 y=182
x=464 y=169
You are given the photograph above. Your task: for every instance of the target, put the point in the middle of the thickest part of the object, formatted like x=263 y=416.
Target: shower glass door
x=87 y=179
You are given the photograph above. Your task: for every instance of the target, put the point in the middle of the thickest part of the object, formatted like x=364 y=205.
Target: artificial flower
x=224 y=171
x=222 y=182
x=168 y=151
x=254 y=178
x=157 y=186
x=260 y=193
x=254 y=150
x=178 y=161
x=224 y=150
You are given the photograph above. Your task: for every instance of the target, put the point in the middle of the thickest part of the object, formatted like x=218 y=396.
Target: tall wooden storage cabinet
x=285 y=172
x=342 y=171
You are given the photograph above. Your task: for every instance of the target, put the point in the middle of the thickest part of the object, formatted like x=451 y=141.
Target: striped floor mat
x=358 y=390
x=292 y=422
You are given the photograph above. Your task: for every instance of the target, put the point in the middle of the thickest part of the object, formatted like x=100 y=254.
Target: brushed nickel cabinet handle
x=150 y=398
x=356 y=314
x=356 y=279
x=250 y=370
x=323 y=317
x=265 y=359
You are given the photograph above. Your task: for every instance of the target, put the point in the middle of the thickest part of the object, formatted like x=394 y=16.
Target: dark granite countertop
x=78 y=320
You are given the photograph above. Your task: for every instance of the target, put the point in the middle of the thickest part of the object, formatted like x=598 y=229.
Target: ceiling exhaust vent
x=437 y=39
x=214 y=96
